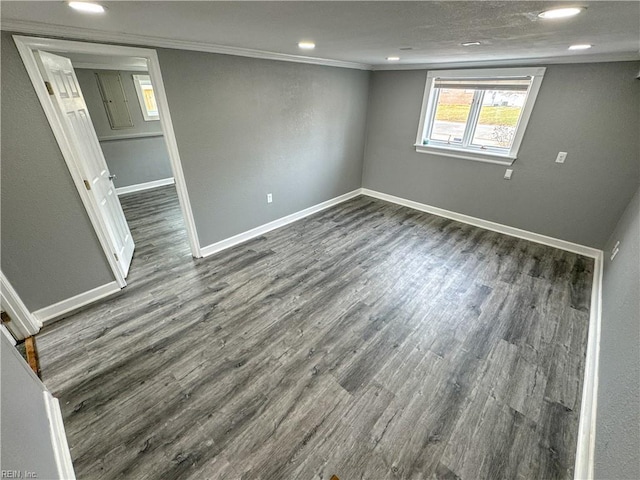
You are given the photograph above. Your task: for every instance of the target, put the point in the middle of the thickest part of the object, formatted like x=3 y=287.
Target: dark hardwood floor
x=368 y=341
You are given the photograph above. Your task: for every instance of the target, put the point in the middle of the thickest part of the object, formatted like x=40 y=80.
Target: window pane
x=149 y=100
x=499 y=116
x=451 y=116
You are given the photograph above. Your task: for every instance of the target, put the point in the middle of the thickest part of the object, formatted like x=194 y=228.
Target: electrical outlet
x=508 y=173
x=562 y=156
x=269 y=198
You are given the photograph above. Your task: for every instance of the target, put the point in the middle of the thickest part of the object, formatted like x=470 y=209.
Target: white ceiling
x=360 y=33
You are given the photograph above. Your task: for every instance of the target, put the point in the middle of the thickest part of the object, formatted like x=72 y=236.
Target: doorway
x=54 y=80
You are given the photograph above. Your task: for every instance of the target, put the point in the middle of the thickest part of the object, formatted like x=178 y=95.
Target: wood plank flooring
x=368 y=341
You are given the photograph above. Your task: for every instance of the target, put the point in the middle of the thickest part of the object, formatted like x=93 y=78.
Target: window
x=477 y=114
x=146 y=97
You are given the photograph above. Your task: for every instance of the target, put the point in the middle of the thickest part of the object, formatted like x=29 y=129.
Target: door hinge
x=49 y=88
x=116 y=255
x=87 y=184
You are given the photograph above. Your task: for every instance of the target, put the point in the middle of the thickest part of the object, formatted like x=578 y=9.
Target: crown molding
x=76 y=33
x=516 y=62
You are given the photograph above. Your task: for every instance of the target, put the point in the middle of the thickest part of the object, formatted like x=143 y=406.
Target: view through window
x=472 y=112
x=146 y=97
x=498 y=117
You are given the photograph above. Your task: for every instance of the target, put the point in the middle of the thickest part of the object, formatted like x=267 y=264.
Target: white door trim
x=7 y=334
x=26 y=47
x=23 y=324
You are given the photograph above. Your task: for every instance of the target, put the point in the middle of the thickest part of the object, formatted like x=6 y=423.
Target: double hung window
x=477 y=114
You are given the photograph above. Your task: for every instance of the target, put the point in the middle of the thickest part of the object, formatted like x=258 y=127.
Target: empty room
x=320 y=240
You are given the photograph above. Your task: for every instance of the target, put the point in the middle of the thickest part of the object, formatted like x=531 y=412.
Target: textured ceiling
x=366 y=32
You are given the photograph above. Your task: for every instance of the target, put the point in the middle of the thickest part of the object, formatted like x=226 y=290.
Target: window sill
x=486 y=157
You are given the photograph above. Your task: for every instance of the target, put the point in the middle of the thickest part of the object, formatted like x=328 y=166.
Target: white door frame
x=23 y=323
x=26 y=47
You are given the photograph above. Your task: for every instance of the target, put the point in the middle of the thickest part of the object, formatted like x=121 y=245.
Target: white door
x=63 y=85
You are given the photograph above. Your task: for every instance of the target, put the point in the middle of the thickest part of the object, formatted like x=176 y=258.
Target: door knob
x=112 y=177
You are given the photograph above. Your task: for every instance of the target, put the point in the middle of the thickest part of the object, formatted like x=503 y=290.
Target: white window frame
x=137 y=81
x=471 y=152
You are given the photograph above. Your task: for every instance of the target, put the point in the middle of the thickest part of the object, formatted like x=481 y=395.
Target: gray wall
x=618 y=418
x=132 y=160
x=587 y=110
x=91 y=92
x=247 y=127
x=26 y=438
x=137 y=160
x=49 y=249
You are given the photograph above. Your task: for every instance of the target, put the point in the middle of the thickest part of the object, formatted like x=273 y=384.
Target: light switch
x=615 y=250
x=508 y=173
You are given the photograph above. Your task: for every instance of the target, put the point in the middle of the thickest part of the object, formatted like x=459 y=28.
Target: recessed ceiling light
x=393 y=59
x=306 y=45
x=581 y=46
x=87 y=7
x=470 y=44
x=561 y=12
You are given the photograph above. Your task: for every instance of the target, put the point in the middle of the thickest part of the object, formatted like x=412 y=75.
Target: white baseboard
x=267 y=227
x=23 y=324
x=585 y=451
x=58 y=437
x=488 y=225
x=139 y=187
x=123 y=136
x=56 y=310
